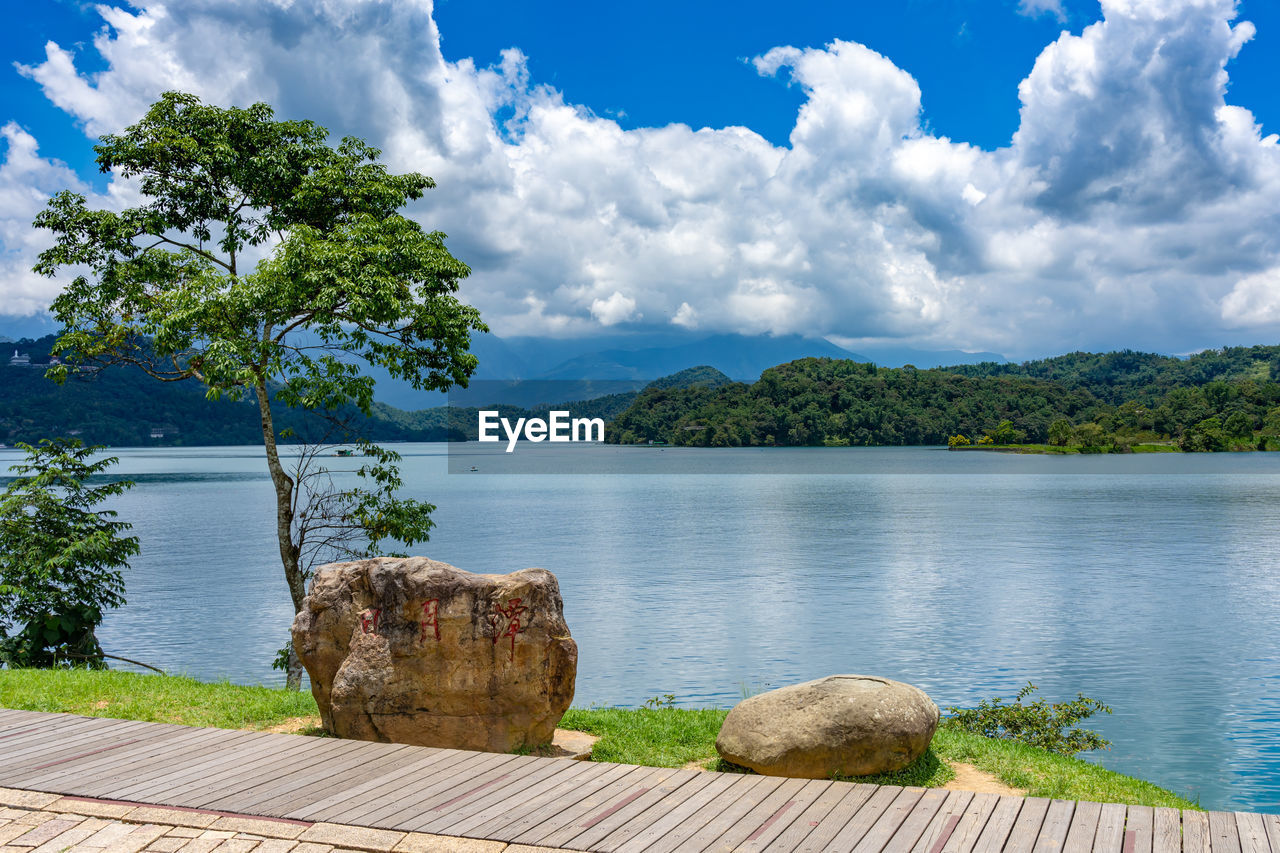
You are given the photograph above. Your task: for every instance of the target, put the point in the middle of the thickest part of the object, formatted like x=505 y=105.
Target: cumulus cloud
x=1131 y=208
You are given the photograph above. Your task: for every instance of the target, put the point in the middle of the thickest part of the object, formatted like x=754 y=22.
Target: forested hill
x=838 y=402
x=121 y=406
x=1119 y=377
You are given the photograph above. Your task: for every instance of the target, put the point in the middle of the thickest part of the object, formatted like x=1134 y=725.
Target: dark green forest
x=122 y=406
x=1226 y=399
x=1216 y=400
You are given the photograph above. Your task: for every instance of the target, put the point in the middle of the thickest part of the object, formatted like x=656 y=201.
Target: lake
x=1147 y=581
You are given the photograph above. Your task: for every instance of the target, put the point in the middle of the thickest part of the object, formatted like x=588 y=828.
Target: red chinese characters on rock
x=430 y=622
x=506 y=622
x=369 y=620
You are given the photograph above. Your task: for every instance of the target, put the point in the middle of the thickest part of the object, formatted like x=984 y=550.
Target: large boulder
x=852 y=725
x=416 y=651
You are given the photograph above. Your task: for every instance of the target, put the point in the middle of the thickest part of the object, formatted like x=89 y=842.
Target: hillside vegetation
x=1217 y=400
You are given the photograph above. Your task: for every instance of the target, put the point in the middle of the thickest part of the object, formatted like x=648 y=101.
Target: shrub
x=1037 y=723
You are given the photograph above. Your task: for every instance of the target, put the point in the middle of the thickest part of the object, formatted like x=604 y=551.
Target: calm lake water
x=1149 y=582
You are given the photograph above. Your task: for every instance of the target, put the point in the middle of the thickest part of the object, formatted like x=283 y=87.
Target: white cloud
x=614 y=310
x=1036 y=8
x=1254 y=301
x=1129 y=210
x=685 y=316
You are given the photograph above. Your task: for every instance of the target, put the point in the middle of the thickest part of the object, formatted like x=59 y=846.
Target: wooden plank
x=1138 y=828
x=350 y=762
x=75 y=759
x=720 y=822
x=567 y=822
x=174 y=779
x=693 y=822
x=649 y=836
x=1053 y=832
x=405 y=805
x=847 y=836
x=494 y=812
x=1000 y=825
x=89 y=774
x=1195 y=832
x=447 y=792
x=327 y=771
x=1223 y=836
x=1272 y=823
x=876 y=836
x=1083 y=829
x=785 y=817
x=522 y=785
x=373 y=772
x=377 y=790
x=758 y=820
x=1252 y=832
x=123 y=782
x=666 y=792
x=918 y=821
x=548 y=803
x=21 y=755
x=971 y=823
x=1109 y=836
x=390 y=798
x=185 y=781
x=34 y=736
x=1026 y=829
x=1166 y=832
x=276 y=760
x=833 y=808
x=942 y=823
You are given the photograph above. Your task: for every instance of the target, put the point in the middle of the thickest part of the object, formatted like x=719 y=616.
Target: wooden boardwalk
x=573 y=804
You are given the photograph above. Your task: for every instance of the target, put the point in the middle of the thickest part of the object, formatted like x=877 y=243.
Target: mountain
x=123 y=406
x=741 y=357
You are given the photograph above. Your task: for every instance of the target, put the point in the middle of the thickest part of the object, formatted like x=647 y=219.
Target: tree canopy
x=262 y=259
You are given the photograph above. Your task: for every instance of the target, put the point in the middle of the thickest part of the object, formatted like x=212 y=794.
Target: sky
x=1027 y=177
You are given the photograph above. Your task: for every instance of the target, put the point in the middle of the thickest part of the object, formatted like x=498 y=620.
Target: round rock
x=853 y=725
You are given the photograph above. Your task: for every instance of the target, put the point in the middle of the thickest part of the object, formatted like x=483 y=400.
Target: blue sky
x=1024 y=176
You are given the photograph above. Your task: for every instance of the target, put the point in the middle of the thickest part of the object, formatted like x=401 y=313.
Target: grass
x=153 y=698
x=655 y=737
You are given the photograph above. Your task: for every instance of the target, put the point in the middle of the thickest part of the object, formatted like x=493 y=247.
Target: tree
x=60 y=558
x=1090 y=436
x=341 y=277
x=1060 y=432
x=1004 y=433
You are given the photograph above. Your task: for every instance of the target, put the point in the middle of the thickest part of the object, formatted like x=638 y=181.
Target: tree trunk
x=293 y=677
x=284 y=486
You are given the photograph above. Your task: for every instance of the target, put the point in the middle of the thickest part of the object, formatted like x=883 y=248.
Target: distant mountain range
x=631 y=361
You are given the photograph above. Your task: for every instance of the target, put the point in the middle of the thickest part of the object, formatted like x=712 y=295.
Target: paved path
x=448 y=795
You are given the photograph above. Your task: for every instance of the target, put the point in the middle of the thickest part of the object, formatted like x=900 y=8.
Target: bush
x=1038 y=723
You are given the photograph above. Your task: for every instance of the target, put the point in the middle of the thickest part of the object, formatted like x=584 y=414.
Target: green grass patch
x=655 y=737
x=1046 y=774
x=662 y=737
x=153 y=698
